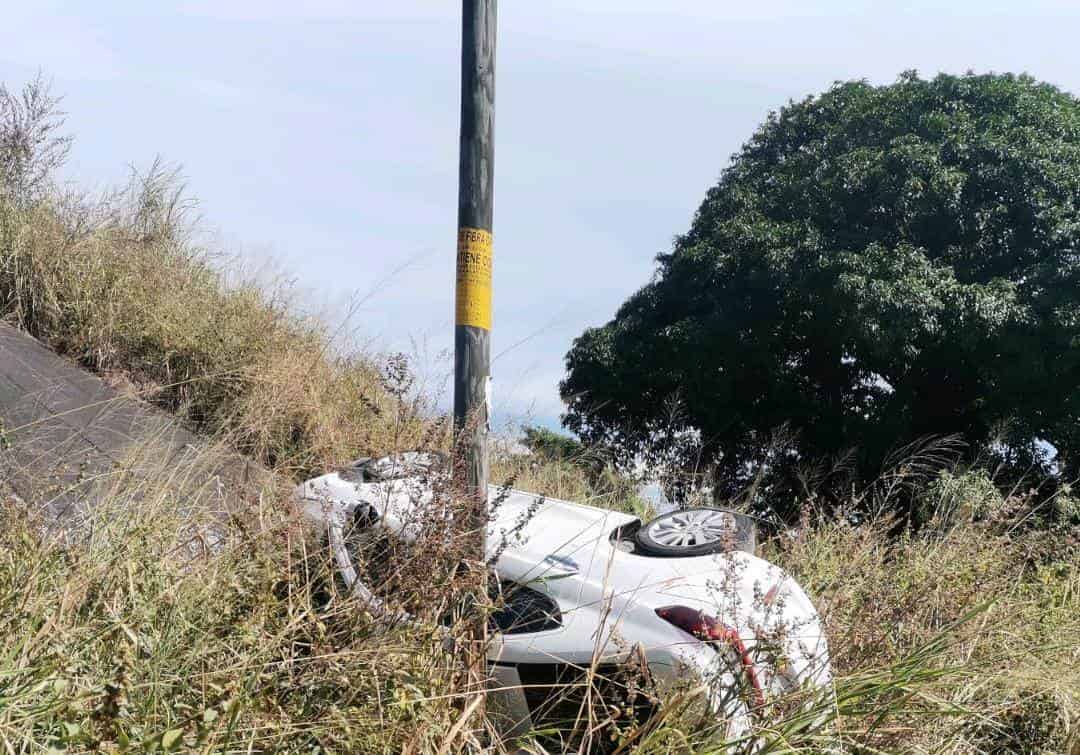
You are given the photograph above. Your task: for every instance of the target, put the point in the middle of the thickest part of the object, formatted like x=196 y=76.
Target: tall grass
x=165 y=622
x=118 y=284
x=1000 y=607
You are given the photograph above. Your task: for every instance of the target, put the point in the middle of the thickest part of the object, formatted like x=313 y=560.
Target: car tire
x=697 y=532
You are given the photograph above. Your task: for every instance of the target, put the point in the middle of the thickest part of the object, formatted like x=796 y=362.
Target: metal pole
x=472 y=331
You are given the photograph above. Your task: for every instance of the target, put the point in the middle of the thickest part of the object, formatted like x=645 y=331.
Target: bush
x=952 y=498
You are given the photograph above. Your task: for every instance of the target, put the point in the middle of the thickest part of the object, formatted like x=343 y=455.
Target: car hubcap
x=690 y=528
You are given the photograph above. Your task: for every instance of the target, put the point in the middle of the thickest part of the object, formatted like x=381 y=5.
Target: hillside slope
x=65 y=430
x=138 y=632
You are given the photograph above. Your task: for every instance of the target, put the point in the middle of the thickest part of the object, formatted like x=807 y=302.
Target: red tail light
x=708 y=629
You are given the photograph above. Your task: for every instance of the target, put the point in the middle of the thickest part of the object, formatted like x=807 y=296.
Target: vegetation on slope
x=169 y=628
x=165 y=628
x=159 y=627
x=990 y=585
x=120 y=284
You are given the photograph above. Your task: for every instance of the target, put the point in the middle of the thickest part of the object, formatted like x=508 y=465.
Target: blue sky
x=321 y=136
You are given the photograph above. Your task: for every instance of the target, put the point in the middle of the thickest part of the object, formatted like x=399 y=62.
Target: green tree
x=552 y=446
x=877 y=264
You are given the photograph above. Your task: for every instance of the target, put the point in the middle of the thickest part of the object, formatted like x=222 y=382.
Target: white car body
x=608 y=598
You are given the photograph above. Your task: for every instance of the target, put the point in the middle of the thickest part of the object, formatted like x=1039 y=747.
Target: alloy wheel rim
x=684 y=529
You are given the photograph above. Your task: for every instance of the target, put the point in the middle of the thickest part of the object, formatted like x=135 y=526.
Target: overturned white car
x=587 y=588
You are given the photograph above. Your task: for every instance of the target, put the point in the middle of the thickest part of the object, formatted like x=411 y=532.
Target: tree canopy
x=550 y=445
x=877 y=264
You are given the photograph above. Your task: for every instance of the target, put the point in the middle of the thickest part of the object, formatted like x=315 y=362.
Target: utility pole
x=472 y=329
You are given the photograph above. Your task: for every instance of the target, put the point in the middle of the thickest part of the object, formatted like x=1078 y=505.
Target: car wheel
x=697 y=532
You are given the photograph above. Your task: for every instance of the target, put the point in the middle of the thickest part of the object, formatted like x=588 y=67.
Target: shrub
x=966 y=497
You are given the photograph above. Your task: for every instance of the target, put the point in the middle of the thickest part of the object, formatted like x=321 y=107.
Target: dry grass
x=1003 y=611
x=162 y=624
x=180 y=626
x=568 y=480
x=118 y=285
x=165 y=623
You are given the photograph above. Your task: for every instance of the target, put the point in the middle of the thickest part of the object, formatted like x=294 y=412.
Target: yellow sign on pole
x=474 y=278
